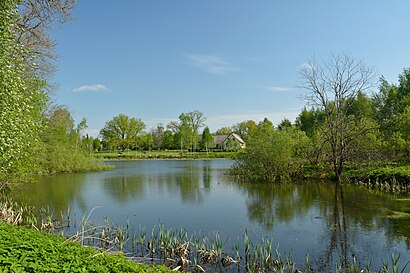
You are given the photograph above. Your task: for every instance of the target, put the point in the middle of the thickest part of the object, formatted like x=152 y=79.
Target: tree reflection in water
x=349 y=215
x=332 y=222
x=338 y=239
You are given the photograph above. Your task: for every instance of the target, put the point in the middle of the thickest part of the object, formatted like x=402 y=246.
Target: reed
x=178 y=249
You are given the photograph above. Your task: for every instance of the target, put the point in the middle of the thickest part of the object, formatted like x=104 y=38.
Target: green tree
x=244 y=128
x=121 y=131
x=272 y=155
x=390 y=105
x=192 y=121
x=207 y=139
x=96 y=144
x=182 y=134
x=310 y=121
x=22 y=101
x=63 y=149
x=285 y=124
x=332 y=87
x=224 y=131
x=168 y=140
x=145 y=141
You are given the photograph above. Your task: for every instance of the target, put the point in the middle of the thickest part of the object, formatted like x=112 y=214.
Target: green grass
x=27 y=250
x=169 y=154
x=388 y=177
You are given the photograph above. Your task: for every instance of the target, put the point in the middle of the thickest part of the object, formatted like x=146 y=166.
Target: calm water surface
x=326 y=221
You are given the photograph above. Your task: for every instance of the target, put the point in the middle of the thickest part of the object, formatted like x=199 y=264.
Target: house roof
x=238 y=138
x=222 y=138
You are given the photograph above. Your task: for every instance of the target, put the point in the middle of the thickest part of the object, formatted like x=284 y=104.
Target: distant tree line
x=186 y=134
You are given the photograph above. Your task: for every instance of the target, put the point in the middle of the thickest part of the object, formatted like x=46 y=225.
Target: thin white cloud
x=210 y=63
x=278 y=89
x=92 y=88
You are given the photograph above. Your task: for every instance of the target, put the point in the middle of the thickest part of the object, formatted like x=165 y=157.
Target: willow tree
x=332 y=87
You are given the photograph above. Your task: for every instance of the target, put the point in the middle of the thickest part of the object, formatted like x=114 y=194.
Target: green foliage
x=190 y=123
x=96 y=144
x=25 y=250
x=224 y=131
x=207 y=139
x=391 y=112
x=272 y=155
x=168 y=141
x=244 y=129
x=21 y=101
x=388 y=177
x=310 y=121
x=63 y=150
x=284 y=124
x=121 y=132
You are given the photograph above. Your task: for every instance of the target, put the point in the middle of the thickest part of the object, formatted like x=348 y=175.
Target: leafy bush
x=272 y=155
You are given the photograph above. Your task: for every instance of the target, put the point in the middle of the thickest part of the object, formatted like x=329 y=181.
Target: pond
x=327 y=222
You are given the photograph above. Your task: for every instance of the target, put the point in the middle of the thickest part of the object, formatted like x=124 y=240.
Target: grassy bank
x=386 y=177
x=170 y=154
x=27 y=250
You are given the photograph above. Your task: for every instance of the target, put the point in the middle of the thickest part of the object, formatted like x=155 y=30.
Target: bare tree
x=332 y=87
x=38 y=18
x=158 y=135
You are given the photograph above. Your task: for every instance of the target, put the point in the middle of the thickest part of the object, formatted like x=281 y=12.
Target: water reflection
x=55 y=192
x=184 y=181
x=337 y=223
x=124 y=188
x=349 y=215
x=329 y=221
x=283 y=202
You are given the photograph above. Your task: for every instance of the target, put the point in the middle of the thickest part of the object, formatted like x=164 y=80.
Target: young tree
x=332 y=87
x=63 y=149
x=145 y=141
x=181 y=133
x=121 y=132
x=193 y=120
x=168 y=140
x=207 y=139
x=96 y=144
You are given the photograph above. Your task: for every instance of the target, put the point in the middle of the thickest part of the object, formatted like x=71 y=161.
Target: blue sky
x=234 y=60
